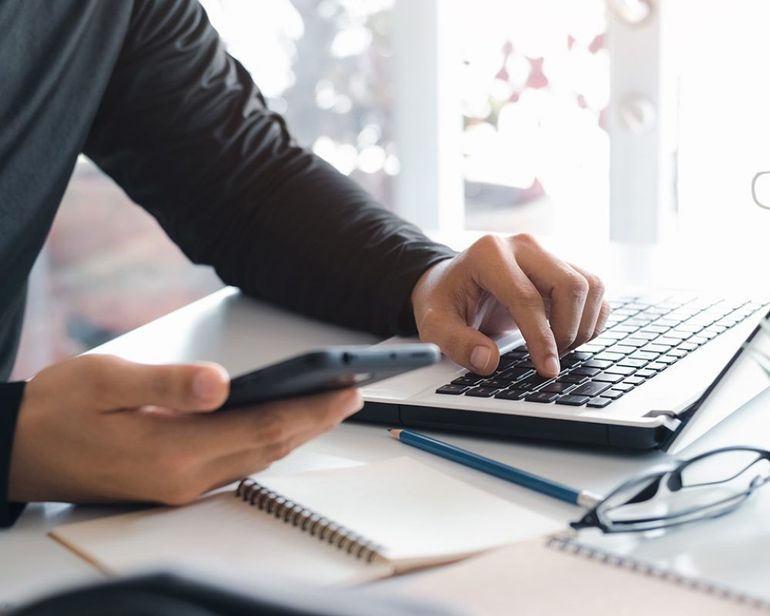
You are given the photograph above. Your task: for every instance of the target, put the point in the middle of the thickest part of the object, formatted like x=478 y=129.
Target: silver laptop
x=668 y=367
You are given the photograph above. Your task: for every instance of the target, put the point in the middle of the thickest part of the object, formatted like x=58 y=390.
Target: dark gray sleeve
x=186 y=133
x=10 y=400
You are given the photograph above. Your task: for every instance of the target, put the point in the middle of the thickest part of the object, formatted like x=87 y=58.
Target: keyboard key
x=608 y=378
x=591 y=389
x=692 y=328
x=624 y=387
x=666 y=341
x=645 y=355
x=541 y=397
x=516 y=373
x=482 y=392
x=678 y=353
x=667 y=359
x=504 y=364
x=531 y=382
x=625 y=328
x=613 y=335
x=625 y=311
x=678 y=334
x=687 y=346
x=633 y=380
x=657 y=366
x=610 y=356
x=598 y=403
x=656 y=329
x=584 y=371
x=581 y=356
x=596 y=363
x=622 y=349
x=571 y=400
x=494 y=383
x=452 y=390
x=466 y=380
x=557 y=388
x=589 y=348
x=645 y=373
x=668 y=322
x=699 y=340
x=572 y=379
x=656 y=348
x=635 y=342
x=613 y=394
x=633 y=363
x=622 y=370
x=569 y=360
x=510 y=394
x=639 y=321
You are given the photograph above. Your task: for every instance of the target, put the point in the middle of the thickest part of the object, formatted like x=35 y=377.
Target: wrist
x=426 y=281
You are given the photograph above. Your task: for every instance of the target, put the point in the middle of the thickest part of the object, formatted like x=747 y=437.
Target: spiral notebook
x=560 y=575
x=339 y=526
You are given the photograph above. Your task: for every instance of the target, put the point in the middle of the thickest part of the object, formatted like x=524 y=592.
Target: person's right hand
x=101 y=429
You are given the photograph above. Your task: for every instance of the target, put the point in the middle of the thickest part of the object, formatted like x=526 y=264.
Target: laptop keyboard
x=643 y=337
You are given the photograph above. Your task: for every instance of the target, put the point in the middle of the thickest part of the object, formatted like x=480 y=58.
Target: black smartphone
x=328 y=369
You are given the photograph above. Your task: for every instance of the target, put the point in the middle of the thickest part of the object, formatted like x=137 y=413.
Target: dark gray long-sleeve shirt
x=147 y=91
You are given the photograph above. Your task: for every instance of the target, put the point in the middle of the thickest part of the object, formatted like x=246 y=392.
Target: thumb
x=463 y=344
x=117 y=383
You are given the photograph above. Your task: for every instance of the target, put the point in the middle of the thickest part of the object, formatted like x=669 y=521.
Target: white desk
x=241 y=334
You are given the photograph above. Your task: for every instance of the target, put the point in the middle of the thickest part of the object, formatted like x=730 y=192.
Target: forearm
x=324 y=248
x=10 y=401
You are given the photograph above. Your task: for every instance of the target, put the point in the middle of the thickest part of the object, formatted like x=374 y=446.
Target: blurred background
x=630 y=120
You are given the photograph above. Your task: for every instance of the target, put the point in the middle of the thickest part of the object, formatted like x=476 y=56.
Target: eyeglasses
x=760 y=187
x=709 y=485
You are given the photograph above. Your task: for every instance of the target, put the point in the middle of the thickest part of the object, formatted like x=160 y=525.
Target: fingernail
x=551 y=365
x=207 y=383
x=480 y=357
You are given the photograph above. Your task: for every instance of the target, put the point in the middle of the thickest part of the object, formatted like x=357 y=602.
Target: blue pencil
x=545 y=486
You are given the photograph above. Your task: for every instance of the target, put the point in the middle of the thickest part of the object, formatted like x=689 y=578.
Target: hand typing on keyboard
x=499 y=283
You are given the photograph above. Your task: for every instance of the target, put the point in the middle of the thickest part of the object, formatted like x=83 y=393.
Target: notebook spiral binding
x=565 y=543
x=307 y=520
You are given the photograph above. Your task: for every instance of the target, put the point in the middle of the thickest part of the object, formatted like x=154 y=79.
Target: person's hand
x=101 y=429
x=500 y=283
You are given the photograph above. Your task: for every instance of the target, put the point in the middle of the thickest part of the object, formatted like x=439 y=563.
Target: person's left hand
x=501 y=283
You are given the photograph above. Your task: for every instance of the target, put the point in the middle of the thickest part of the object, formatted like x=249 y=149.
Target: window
x=535 y=90
x=547 y=116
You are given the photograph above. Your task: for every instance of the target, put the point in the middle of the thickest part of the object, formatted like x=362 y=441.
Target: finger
x=601 y=321
x=564 y=286
x=460 y=342
x=274 y=444
x=497 y=271
x=259 y=426
x=592 y=307
x=112 y=383
x=234 y=467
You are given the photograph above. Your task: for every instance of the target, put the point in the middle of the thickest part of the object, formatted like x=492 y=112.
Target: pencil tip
x=395 y=432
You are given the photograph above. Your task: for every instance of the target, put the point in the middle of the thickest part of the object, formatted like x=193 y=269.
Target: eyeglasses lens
x=705 y=487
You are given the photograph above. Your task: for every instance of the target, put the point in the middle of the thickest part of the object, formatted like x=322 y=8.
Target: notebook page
x=219 y=532
x=418 y=514
x=530 y=578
